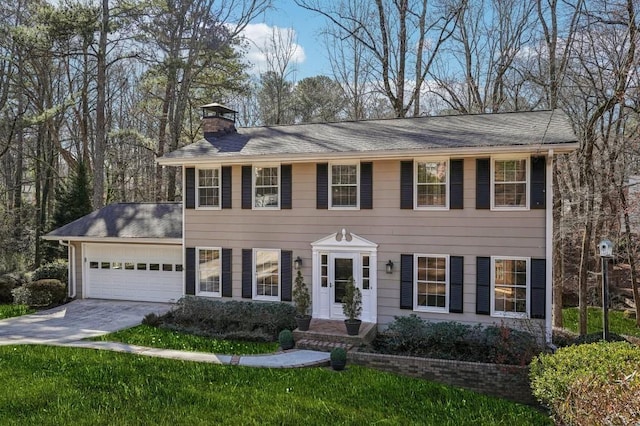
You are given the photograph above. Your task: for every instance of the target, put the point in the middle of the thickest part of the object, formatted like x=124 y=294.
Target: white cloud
x=258 y=36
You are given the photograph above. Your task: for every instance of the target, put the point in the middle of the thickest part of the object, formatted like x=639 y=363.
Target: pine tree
x=73 y=199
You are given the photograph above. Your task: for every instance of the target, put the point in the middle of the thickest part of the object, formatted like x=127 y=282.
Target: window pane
x=93 y=265
x=208 y=270
x=266 y=187
x=129 y=266
x=344 y=185
x=510 y=285
x=267 y=273
x=431 y=281
x=510 y=177
x=154 y=266
x=167 y=267
x=209 y=187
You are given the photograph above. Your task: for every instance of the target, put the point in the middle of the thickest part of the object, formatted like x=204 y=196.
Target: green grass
x=9 y=311
x=57 y=386
x=617 y=322
x=144 y=335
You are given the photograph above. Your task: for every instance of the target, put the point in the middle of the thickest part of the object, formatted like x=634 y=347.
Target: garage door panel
x=133 y=272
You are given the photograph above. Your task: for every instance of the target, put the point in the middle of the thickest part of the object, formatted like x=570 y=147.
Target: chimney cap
x=217 y=108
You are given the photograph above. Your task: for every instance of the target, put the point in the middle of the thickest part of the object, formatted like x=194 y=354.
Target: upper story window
x=510 y=286
x=208 y=188
x=266 y=275
x=431 y=284
x=431 y=186
x=266 y=187
x=510 y=183
x=344 y=186
x=208 y=272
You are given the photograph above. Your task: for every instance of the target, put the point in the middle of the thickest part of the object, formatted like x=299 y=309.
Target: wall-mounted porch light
x=297 y=263
x=389 y=267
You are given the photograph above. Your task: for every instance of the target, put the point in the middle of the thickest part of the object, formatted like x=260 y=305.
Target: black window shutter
x=285 y=186
x=538 y=182
x=247 y=273
x=456 y=284
x=406 y=281
x=226 y=187
x=483 y=285
x=190 y=188
x=285 y=278
x=246 y=187
x=406 y=185
x=322 y=186
x=538 y=288
x=190 y=271
x=366 y=185
x=226 y=273
x=456 y=184
x=483 y=183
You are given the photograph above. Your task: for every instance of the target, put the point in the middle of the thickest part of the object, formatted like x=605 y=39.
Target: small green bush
x=590 y=383
x=338 y=355
x=6 y=285
x=57 y=270
x=285 y=338
x=40 y=293
x=221 y=319
x=151 y=319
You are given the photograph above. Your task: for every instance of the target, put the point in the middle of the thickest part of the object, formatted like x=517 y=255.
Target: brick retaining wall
x=504 y=381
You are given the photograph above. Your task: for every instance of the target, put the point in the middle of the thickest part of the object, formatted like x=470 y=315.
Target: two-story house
x=448 y=217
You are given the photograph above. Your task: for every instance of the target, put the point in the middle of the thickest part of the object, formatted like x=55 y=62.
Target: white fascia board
x=371 y=155
x=126 y=240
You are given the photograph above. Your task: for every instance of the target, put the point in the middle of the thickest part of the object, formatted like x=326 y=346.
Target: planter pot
x=353 y=326
x=303 y=322
x=338 y=365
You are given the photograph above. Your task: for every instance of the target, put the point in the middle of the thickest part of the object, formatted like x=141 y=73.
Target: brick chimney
x=217 y=120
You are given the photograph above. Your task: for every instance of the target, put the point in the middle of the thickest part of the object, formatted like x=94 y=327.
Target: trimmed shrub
x=285 y=338
x=596 y=383
x=40 y=293
x=6 y=285
x=218 y=318
x=57 y=270
x=413 y=336
x=151 y=319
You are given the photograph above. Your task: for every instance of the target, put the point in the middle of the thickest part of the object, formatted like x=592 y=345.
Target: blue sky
x=311 y=56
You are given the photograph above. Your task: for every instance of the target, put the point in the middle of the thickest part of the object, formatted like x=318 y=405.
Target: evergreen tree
x=73 y=199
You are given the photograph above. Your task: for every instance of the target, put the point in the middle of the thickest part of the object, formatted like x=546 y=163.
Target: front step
x=327 y=334
x=321 y=345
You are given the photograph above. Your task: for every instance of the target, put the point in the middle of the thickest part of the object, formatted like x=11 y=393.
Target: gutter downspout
x=549 y=249
x=71 y=254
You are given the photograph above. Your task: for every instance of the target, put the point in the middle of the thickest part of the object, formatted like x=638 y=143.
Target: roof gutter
x=461 y=152
x=168 y=241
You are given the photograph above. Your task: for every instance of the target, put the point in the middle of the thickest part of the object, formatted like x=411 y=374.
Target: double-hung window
x=209 y=188
x=266 y=267
x=209 y=272
x=431 y=285
x=344 y=181
x=431 y=186
x=510 y=183
x=510 y=286
x=266 y=187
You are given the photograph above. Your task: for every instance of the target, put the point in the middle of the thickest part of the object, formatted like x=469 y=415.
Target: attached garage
x=141 y=272
x=126 y=251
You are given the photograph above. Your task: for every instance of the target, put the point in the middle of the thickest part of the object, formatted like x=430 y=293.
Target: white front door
x=342 y=268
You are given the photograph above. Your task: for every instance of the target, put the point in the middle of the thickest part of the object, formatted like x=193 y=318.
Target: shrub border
x=504 y=381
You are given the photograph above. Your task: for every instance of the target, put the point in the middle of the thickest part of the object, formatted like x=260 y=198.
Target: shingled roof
x=125 y=220
x=454 y=132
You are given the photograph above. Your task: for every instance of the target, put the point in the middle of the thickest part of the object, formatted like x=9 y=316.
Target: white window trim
x=198 y=206
x=415 y=183
x=208 y=293
x=253 y=186
x=330 y=191
x=527 y=158
x=254 y=276
x=502 y=314
x=419 y=308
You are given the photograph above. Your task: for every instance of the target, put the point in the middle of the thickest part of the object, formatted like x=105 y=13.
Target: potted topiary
x=352 y=307
x=285 y=338
x=302 y=301
x=338 y=359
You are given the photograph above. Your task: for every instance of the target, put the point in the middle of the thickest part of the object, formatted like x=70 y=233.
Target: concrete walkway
x=69 y=324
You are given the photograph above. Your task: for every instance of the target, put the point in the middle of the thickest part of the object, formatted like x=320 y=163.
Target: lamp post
x=606 y=252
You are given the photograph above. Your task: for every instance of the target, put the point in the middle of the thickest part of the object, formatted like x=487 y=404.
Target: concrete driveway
x=76 y=320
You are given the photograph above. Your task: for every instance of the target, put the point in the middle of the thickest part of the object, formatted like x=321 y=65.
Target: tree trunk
x=101 y=131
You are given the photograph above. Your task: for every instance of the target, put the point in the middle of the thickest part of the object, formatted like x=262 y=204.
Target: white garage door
x=150 y=273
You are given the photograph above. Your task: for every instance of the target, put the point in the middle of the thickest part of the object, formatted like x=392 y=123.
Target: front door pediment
x=344 y=240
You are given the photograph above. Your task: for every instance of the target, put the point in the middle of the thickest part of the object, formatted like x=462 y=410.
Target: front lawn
x=9 y=311
x=617 y=322
x=57 y=386
x=154 y=337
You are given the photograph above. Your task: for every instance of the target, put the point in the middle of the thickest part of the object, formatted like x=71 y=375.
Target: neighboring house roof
x=125 y=220
x=530 y=130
